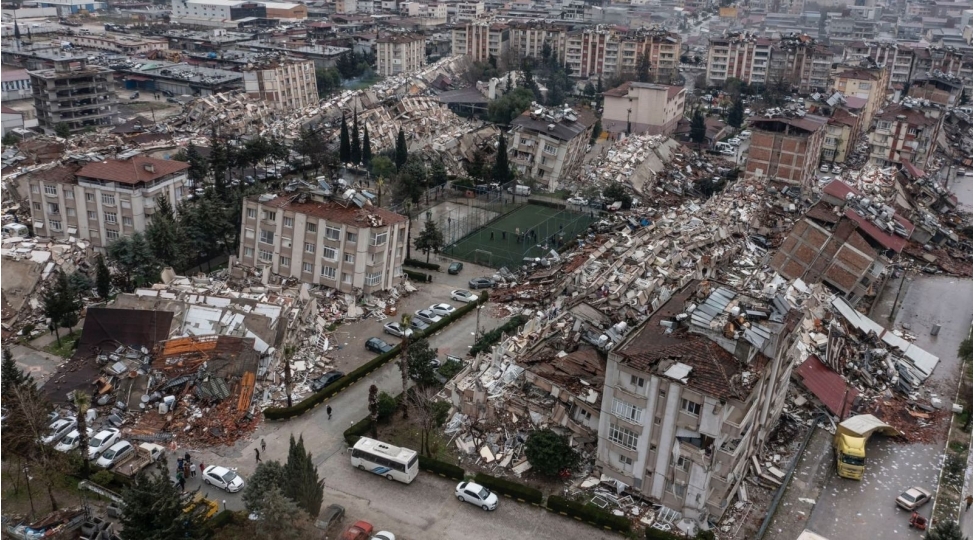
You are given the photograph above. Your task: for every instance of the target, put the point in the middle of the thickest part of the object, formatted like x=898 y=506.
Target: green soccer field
x=497 y=244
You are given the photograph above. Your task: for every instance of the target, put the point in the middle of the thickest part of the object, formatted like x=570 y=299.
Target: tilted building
x=288 y=84
x=645 y=108
x=786 y=149
x=546 y=143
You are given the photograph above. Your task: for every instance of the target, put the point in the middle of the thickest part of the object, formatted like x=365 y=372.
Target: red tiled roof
x=839 y=189
x=888 y=241
x=7 y=110
x=132 y=171
x=332 y=211
x=912 y=169
x=828 y=386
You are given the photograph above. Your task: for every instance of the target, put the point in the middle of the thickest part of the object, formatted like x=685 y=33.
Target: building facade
x=530 y=38
x=215 y=12
x=481 y=40
x=286 y=84
x=786 y=149
x=399 y=53
x=742 y=56
x=103 y=201
x=121 y=44
x=901 y=133
x=16 y=85
x=321 y=240
x=468 y=11
x=547 y=143
x=635 y=107
x=75 y=94
x=865 y=83
x=693 y=394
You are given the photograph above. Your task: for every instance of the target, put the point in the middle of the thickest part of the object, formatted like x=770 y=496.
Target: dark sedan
x=378 y=346
x=325 y=380
x=480 y=283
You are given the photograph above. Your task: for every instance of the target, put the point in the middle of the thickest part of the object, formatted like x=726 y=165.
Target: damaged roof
x=135 y=170
x=332 y=211
x=827 y=385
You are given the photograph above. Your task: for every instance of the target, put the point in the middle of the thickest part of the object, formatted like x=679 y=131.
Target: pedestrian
x=179 y=464
x=182 y=483
x=968 y=503
x=504 y=235
x=187 y=457
x=257 y=455
x=263 y=445
x=201 y=468
x=328 y=410
x=492 y=236
x=186 y=469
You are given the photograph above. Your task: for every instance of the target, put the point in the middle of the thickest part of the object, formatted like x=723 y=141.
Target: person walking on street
x=328 y=409
x=968 y=503
x=187 y=467
x=257 y=456
x=201 y=468
x=263 y=446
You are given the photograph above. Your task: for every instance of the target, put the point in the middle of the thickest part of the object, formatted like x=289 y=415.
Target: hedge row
x=222 y=519
x=422 y=264
x=490 y=338
x=589 y=514
x=442 y=468
x=657 y=534
x=357 y=430
x=419 y=277
x=508 y=488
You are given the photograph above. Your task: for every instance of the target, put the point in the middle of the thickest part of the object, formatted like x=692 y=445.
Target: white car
x=476 y=494
x=745 y=134
x=71 y=441
x=396 y=329
x=223 y=478
x=58 y=429
x=734 y=141
x=428 y=316
x=113 y=456
x=463 y=296
x=578 y=201
x=383 y=535
x=102 y=441
x=442 y=309
x=824 y=167
x=837 y=169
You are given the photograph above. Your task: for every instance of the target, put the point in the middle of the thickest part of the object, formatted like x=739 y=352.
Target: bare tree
x=404 y=365
x=26 y=426
x=427 y=413
x=474 y=426
x=374 y=409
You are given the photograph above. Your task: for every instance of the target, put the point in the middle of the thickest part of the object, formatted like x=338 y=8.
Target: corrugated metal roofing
x=827 y=385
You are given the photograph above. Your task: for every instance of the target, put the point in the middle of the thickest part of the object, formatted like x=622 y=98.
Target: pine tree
x=366 y=146
x=737 y=114
x=198 y=166
x=345 y=146
x=82 y=402
x=502 y=171
x=103 y=278
x=438 y=174
x=374 y=409
x=301 y=482
x=10 y=374
x=166 y=237
x=61 y=305
x=219 y=162
x=356 y=153
x=154 y=510
x=643 y=68
x=430 y=239
x=402 y=153
x=699 y=129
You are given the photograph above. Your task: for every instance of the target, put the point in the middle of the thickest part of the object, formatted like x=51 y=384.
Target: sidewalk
x=46 y=339
x=804 y=489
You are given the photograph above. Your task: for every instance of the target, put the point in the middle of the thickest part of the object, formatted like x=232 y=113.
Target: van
x=520 y=190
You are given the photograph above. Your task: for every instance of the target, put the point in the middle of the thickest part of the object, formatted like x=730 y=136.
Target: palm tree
x=404 y=364
x=82 y=402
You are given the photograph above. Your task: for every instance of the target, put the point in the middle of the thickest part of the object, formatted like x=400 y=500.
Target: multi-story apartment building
x=468 y=11
x=786 y=149
x=956 y=62
x=901 y=133
x=530 y=38
x=121 y=44
x=325 y=240
x=216 y=13
x=865 y=83
x=288 y=84
x=693 y=394
x=607 y=51
x=742 y=56
x=802 y=63
x=102 y=201
x=481 y=40
x=635 y=107
x=842 y=131
x=399 y=53
x=75 y=94
x=898 y=59
x=548 y=143
x=349 y=7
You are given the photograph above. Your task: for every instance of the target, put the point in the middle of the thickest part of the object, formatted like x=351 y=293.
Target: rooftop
x=567 y=128
x=333 y=211
x=135 y=170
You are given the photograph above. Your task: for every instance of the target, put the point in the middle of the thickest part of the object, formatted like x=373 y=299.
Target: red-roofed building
x=827 y=385
x=103 y=201
x=348 y=245
x=901 y=132
x=646 y=108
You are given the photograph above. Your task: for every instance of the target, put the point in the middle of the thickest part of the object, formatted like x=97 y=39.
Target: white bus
x=393 y=462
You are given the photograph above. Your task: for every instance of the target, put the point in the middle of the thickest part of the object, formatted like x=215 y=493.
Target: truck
x=520 y=190
x=850 y=443
x=144 y=454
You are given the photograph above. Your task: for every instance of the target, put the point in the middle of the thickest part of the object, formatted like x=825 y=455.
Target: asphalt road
x=866 y=510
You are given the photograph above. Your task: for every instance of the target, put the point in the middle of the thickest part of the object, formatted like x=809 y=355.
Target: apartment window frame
x=111 y=234
x=329 y=273
x=373 y=278
x=34 y=188
x=310 y=247
x=251 y=213
x=111 y=218
x=92 y=215
x=265 y=255
x=627 y=411
x=622 y=436
x=375 y=241
x=289 y=222
x=270 y=215
x=351 y=237
x=682 y=463
x=333 y=233
x=329 y=253
x=127 y=221
x=108 y=199
x=692 y=408
x=284 y=261
x=348 y=258
x=307 y=267
x=50 y=190
x=311 y=227
x=679 y=489
x=267 y=236
x=53 y=208
x=637 y=381
x=55 y=225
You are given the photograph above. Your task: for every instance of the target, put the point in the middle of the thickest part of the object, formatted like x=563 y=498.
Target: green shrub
x=508 y=488
x=422 y=264
x=448 y=470
x=419 y=277
x=387 y=406
x=450 y=368
x=103 y=478
x=357 y=430
x=488 y=339
x=657 y=534
x=589 y=514
x=222 y=519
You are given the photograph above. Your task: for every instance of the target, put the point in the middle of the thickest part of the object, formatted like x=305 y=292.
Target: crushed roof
x=333 y=211
x=132 y=171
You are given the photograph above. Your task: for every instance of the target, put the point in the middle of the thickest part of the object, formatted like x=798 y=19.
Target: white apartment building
x=398 y=53
x=480 y=40
x=645 y=108
x=547 y=143
x=316 y=239
x=742 y=57
x=468 y=11
x=215 y=12
x=287 y=84
x=102 y=201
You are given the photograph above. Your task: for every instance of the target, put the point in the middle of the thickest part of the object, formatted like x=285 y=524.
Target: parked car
x=745 y=134
x=824 y=167
x=378 y=346
x=442 y=309
x=223 y=478
x=383 y=535
x=115 y=454
x=418 y=325
x=333 y=514
x=102 y=441
x=837 y=169
x=578 y=201
x=134 y=95
x=326 y=380
x=427 y=316
x=463 y=296
x=913 y=498
x=70 y=441
x=396 y=329
x=476 y=494
x=734 y=141
x=455 y=268
x=360 y=530
x=58 y=429
x=481 y=283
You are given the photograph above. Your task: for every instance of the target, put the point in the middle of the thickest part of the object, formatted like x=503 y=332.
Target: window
x=627 y=411
x=265 y=255
x=270 y=216
x=329 y=253
x=652 y=448
x=311 y=227
x=349 y=258
x=35 y=189
x=690 y=407
x=307 y=267
x=881 y=124
x=346 y=278
x=679 y=489
x=251 y=213
x=53 y=208
x=51 y=190
x=351 y=237
x=111 y=234
x=289 y=222
x=285 y=261
x=37 y=206
x=92 y=215
x=624 y=460
x=55 y=225
x=622 y=436
x=90 y=197
x=637 y=381
x=332 y=233
x=683 y=463
x=828 y=154
x=68 y=194
x=864 y=86
x=663 y=393
x=373 y=278
x=379 y=239
x=111 y=218
x=127 y=221
x=585 y=415
x=656 y=421
x=549 y=149
x=309 y=247
x=267 y=236
x=328 y=272
x=248 y=252
x=108 y=199
x=248 y=233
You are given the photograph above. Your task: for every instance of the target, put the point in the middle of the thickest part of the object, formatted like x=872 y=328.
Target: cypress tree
x=301 y=482
x=502 y=171
x=103 y=278
x=366 y=147
x=356 y=145
x=401 y=152
x=345 y=147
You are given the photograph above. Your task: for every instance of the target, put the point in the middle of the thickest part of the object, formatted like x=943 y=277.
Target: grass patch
x=401 y=432
x=66 y=347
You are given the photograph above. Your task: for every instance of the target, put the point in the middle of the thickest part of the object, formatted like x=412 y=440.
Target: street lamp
x=477 y=324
